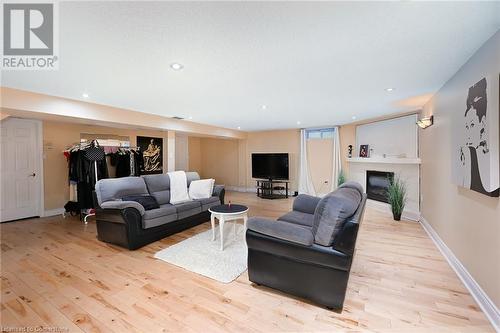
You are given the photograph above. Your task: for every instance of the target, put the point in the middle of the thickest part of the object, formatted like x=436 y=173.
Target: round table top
x=226 y=209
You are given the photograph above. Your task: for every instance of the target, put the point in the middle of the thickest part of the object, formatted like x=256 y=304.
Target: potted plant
x=396 y=195
x=341 y=179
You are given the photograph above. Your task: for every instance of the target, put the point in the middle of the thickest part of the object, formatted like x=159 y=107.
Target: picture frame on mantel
x=363 y=151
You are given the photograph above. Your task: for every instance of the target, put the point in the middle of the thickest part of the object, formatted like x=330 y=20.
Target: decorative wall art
x=476 y=139
x=152 y=153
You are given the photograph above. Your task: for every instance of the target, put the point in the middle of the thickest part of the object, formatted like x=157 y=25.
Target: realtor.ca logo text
x=30 y=36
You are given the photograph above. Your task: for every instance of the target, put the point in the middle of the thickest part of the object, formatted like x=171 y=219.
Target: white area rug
x=201 y=255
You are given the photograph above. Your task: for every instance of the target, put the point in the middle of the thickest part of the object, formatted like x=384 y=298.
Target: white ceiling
x=318 y=63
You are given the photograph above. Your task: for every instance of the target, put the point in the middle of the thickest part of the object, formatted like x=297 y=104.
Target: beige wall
x=219 y=160
x=320 y=157
x=229 y=161
x=57 y=136
x=285 y=141
x=194 y=151
x=347 y=137
x=468 y=222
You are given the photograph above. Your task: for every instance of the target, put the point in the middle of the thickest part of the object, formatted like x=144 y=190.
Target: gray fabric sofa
x=128 y=224
x=308 y=252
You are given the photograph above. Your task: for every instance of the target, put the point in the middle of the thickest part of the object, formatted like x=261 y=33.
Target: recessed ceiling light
x=298 y=122
x=176 y=66
x=85 y=95
x=239 y=127
x=353 y=117
x=264 y=107
x=190 y=117
x=389 y=89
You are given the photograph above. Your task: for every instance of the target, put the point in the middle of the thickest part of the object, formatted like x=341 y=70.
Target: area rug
x=201 y=255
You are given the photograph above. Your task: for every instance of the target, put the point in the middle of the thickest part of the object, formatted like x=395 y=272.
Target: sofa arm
x=120 y=204
x=280 y=229
x=219 y=191
x=305 y=203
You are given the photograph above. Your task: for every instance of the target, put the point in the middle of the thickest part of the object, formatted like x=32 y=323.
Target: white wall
x=392 y=137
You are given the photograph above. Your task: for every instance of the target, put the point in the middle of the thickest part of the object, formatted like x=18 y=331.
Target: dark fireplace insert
x=377 y=183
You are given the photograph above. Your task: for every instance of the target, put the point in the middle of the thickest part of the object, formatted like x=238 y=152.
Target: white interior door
x=20 y=169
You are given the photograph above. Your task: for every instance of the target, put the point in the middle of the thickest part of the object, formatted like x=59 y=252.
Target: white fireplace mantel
x=387 y=160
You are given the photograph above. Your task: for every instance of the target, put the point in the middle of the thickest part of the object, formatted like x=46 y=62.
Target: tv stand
x=272 y=189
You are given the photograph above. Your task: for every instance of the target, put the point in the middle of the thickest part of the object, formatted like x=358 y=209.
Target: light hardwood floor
x=54 y=273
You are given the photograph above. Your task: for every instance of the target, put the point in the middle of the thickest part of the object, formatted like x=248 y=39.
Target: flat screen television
x=272 y=166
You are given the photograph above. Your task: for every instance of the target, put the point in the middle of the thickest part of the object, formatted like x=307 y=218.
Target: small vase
x=397 y=217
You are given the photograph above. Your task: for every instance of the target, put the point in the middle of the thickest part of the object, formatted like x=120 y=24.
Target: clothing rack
x=84 y=146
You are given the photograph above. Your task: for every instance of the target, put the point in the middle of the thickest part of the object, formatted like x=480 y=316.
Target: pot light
x=190 y=117
x=239 y=127
x=85 y=95
x=425 y=122
x=264 y=107
x=389 y=89
x=353 y=117
x=298 y=122
x=176 y=66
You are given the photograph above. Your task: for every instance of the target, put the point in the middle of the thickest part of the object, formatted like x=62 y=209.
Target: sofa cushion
x=208 y=202
x=147 y=201
x=355 y=185
x=190 y=176
x=159 y=187
x=163 y=210
x=305 y=203
x=331 y=213
x=281 y=229
x=187 y=209
x=298 y=218
x=155 y=217
x=117 y=188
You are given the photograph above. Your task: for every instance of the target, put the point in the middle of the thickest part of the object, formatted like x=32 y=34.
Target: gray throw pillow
x=331 y=213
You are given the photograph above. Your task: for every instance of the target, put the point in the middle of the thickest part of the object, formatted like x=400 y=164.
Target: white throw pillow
x=201 y=189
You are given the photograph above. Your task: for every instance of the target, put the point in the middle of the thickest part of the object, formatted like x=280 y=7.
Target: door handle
x=33 y=174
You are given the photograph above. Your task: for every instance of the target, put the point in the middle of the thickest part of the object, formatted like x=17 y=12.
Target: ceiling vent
x=178 y=118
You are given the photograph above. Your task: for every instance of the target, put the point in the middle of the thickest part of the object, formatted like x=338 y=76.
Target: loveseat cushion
x=117 y=188
x=281 y=229
x=297 y=217
x=331 y=213
x=187 y=209
x=155 y=217
x=305 y=203
x=159 y=187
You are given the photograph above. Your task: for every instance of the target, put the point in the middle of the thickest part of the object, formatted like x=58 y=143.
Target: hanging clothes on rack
x=86 y=165
x=127 y=162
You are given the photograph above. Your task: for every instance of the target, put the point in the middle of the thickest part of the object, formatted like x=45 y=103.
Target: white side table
x=225 y=213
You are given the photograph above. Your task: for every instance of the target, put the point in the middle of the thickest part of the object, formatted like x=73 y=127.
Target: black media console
x=272 y=189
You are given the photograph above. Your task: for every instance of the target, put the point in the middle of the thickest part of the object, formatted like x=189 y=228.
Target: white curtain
x=337 y=164
x=305 y=183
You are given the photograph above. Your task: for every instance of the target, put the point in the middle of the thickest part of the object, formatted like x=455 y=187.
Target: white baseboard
x=386 y=208
x=53 y=212
x=489 y=308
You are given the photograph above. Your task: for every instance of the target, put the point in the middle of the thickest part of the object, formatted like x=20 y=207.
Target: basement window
x=320 y=133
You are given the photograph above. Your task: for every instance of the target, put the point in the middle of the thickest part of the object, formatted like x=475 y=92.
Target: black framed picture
x=152 y=154
x=363 y=151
